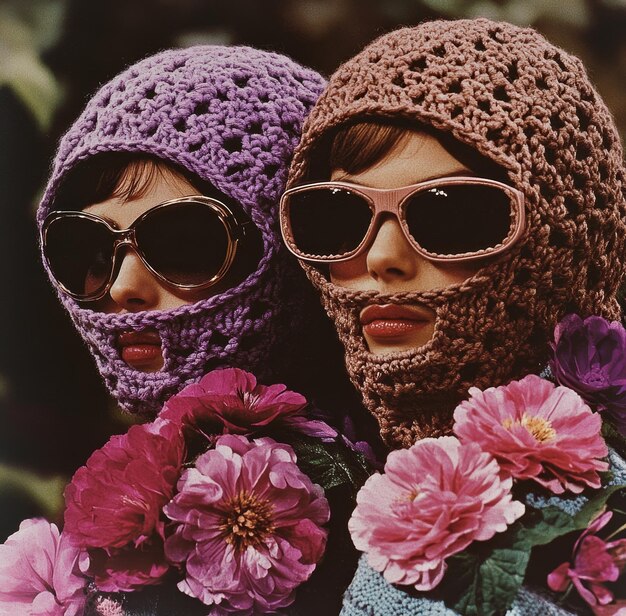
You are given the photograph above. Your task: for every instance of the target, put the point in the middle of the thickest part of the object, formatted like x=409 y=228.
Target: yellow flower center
x=248 y=520
x=403 y=499
x=413 y=494
x=541 y=429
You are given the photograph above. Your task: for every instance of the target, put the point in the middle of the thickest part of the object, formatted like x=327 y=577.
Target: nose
x=134 y=287
x=390 y=256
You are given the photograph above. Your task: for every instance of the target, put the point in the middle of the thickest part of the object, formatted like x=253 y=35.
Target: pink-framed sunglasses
x=445 y=220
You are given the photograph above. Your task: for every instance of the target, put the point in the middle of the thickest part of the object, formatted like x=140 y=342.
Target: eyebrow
x=464 y=172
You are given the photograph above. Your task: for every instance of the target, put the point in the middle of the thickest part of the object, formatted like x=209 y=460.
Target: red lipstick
x=392 y=320
x=141 y=349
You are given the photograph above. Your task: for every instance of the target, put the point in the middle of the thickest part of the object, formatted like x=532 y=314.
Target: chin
x=379 y=347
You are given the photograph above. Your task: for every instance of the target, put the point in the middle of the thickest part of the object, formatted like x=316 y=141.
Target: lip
x=140 y=349
x=392 y=320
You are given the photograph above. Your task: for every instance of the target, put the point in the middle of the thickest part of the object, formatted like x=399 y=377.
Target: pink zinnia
x=39 y=572
x=230 y=401
x=595 y=562
x=536 y=431
x=115 y=502
x=249 y=526
x=433 y=500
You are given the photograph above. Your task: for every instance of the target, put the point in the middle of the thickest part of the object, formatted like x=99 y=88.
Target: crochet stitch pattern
x=530 y=108
x=232 y=116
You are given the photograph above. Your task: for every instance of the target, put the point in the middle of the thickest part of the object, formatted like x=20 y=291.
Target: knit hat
x=529 y=107
x=232 y=116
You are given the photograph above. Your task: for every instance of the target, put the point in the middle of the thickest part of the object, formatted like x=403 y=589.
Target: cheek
x=453 y=274
x=348 y=273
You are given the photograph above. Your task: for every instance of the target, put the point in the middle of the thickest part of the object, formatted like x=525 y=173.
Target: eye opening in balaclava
x=127 y=176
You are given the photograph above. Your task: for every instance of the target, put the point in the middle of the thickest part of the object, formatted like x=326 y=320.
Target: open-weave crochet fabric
x=530 y=108
x=232 y=116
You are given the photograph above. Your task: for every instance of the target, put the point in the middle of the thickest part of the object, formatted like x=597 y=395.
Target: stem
x=617 y=531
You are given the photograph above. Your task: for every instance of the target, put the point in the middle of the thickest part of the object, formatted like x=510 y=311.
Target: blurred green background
x=53 y=55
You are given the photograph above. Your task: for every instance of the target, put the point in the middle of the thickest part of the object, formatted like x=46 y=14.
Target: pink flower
x=230 y=401
x=128 y=568
x=249 y=526
x=39 y=573
x=115 y=503
x=536 y=431
x=433 y=501
x=595 y=562
x=106 y=606
x=615 y=609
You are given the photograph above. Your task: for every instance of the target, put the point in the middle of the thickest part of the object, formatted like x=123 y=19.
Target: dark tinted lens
x=328 y=221
x=79 y=252
x=450 y=220
x=187 y=243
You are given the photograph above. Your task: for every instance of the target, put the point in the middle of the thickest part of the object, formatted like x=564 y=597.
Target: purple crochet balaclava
x=232 y=116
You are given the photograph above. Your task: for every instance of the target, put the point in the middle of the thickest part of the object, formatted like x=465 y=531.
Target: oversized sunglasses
x=445 y=219
x=188 y=243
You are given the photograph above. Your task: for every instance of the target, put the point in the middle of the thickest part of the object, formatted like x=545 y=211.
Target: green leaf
x=330 y=464
x=503 y=574
x=489 y=582
x=488 y=576
x=614 y=438
x=21 y=67
x=485 y=579
x=594 y=506
x=542 y=526
x=46 y=491
x=462 y=582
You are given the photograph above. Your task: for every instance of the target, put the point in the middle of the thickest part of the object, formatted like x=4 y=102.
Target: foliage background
x=53 y=55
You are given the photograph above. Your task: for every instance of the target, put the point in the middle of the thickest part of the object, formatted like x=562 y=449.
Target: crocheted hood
x=232 y=116
x=529 y=107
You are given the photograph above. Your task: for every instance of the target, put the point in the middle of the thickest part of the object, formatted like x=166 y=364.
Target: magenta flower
x=230 y=401
x=595 y=562
x=433 y=501
x=590 y=358
x=249 y=526
x=115 y=501
x=128 y=568
x=536 y=431
x=39 y=572
x=614 y=609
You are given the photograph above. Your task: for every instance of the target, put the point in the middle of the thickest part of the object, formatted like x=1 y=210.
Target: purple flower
x=350 y=439
x=248 y=526
x=594 y=563
x=39 y=572
x=590 y=358
x=231 y=402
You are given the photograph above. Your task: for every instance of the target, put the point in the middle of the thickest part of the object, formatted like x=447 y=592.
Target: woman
x=457 y=191
x=203 y=282
x=159 y=231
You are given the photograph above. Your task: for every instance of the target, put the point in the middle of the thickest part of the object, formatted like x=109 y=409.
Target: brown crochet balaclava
x=530 y=108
